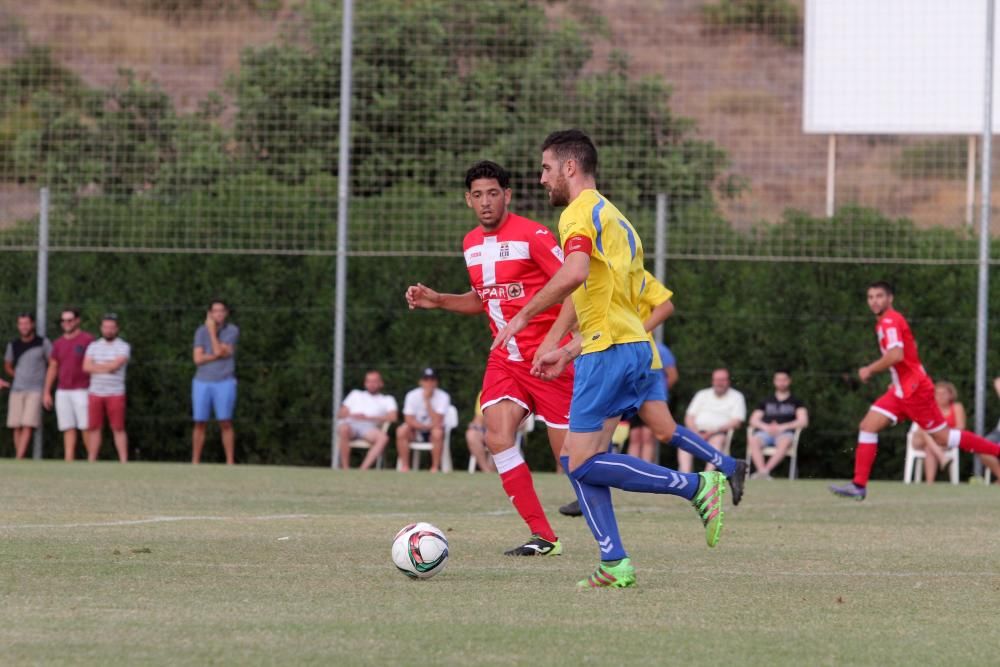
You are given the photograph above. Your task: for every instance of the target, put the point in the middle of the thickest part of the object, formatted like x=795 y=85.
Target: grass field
x=168 y=564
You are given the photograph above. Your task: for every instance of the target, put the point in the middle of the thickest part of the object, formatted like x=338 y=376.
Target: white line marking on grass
x=155 y=519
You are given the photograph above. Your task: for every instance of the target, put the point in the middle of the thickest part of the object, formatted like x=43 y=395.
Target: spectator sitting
x=713 y=413
x=424 y=409
x=475 y=437
x=362 y=416
x=775 y=421
x=994 y=435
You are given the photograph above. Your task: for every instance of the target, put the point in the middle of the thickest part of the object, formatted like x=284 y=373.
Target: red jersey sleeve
x=545 y=251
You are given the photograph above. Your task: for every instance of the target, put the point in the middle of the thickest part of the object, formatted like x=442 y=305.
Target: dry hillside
x=743 y=89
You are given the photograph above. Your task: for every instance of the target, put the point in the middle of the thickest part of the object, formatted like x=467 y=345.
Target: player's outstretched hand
x=864 y=374
x=550 y=365
x=514 y=327
x=421 y=296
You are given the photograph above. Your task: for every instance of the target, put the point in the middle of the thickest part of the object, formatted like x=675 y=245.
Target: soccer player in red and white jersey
x=910 y=396
x=509 y=259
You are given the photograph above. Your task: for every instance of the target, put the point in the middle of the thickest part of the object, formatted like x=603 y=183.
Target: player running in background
x=603 y=271
x=509 y=259
x=910 y=396
x=654 y=308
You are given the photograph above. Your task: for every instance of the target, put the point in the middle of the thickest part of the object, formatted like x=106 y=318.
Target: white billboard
x=896 y=67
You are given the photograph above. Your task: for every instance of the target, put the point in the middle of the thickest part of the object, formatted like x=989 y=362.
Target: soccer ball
x=420 y=550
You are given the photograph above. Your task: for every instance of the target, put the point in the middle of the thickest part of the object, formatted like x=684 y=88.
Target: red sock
x=521 y=491
x=971 y=442
x=864 y=457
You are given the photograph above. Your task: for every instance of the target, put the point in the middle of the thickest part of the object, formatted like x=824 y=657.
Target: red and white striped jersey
x=507 y=268
x=908 y=374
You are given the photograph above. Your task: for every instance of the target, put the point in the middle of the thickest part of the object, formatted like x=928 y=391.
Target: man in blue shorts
x=603 y=271
x=214 y=386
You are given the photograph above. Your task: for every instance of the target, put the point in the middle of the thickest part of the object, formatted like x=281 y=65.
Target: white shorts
x=71 y=409
x=360 y=430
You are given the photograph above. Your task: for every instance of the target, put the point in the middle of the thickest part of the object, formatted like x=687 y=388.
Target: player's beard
x=559 y=193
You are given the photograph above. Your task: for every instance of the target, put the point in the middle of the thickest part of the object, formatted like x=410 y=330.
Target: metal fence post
x=42 y=294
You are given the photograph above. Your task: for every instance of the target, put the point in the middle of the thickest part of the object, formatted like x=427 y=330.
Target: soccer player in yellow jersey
x=603 y=271
x=654 y=307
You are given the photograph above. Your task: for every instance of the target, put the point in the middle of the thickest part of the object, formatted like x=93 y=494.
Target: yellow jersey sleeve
x=652 y=294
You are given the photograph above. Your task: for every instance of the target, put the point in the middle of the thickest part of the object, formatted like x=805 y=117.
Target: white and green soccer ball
x=420 y=550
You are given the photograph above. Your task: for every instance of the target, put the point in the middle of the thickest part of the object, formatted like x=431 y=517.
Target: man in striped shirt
x=105 y=360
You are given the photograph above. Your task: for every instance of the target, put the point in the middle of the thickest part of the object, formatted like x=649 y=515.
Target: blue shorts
x=657 y=388
x=207 y=397
x=768 y=440
x=611 y=383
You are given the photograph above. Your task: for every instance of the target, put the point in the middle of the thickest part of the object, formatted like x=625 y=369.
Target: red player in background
x=911 y=396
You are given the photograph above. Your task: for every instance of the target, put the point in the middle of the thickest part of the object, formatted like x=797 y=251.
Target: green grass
x=269 y=565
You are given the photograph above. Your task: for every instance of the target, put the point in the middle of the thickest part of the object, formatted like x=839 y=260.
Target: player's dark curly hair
x=487 y=169
x=883 y=285
x=576 y=145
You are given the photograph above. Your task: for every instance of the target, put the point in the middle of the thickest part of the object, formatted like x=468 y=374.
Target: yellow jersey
x=606 y=303
x=653 y=294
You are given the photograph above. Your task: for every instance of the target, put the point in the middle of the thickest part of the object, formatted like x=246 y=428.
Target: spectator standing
x=213 y=389
x=363 y=415
x=25 y=360
x=424 y=409
x=775 y=421
x=714 y=412
x=105 y=360
x=66 y=366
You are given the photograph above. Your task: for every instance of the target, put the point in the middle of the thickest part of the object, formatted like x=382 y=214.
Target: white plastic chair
x=361 y=443
x=527 y=426
x=770 y=450
x=914 y=465
x=450 y=422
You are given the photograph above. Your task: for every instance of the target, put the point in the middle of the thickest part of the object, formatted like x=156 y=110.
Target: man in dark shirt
x=25 y=360
x=774 y=423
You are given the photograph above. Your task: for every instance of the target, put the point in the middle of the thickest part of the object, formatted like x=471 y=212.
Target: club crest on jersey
x=501 y=292
x=504 y=250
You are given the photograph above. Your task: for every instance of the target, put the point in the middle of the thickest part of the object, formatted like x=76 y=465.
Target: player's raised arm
x=571 y=275
x=421 y=296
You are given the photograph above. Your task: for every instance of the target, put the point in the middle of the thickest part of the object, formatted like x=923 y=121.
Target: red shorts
x=513 y=381
x=113 y=406
x=919 y=407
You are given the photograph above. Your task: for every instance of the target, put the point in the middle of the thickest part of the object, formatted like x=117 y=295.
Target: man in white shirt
x=713 y=412
x=424 y=409
x=105 y=360
x=362 y=416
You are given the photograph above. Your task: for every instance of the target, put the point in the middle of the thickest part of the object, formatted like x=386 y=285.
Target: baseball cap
x=110 y=316
x=429 y=374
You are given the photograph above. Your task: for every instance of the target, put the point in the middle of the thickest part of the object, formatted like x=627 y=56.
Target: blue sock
x=595 y=503
x=695 y=445
x=633 y=474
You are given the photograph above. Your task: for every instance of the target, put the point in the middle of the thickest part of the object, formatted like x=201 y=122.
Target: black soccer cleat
x=737 y=480
x=536 y=546
x=571 y=509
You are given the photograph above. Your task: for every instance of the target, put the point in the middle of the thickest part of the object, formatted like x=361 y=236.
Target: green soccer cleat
x=536 y=546
x=708 y=503
x=621 y=575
